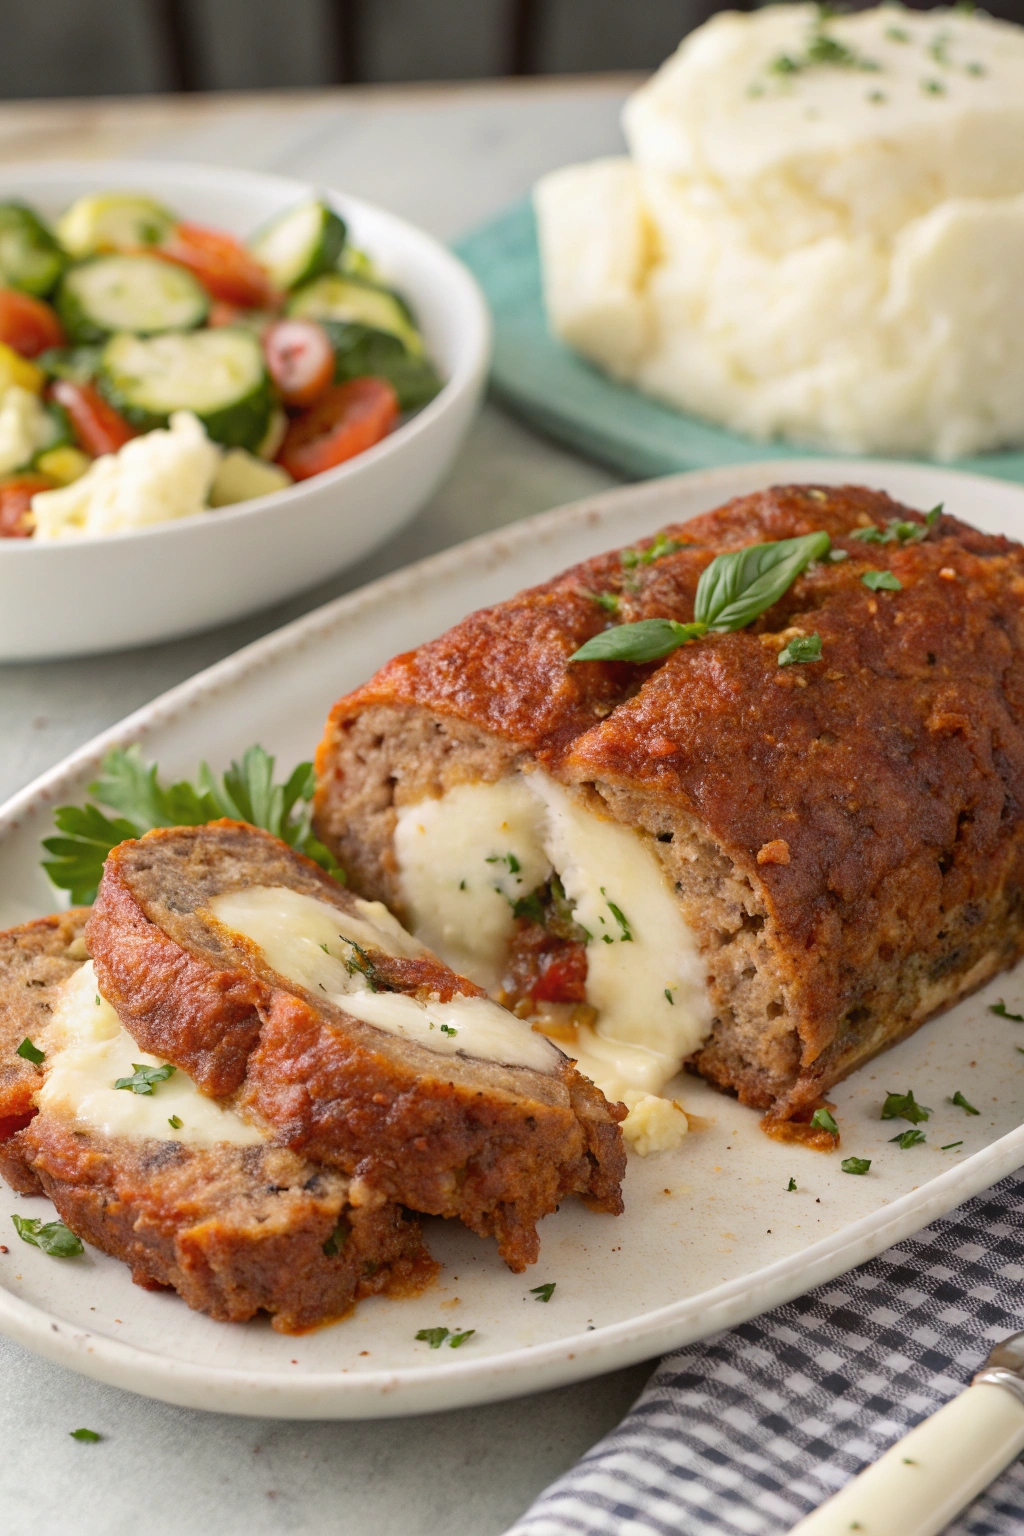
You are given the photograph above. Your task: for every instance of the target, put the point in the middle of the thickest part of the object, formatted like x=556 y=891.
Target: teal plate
x=565 y=397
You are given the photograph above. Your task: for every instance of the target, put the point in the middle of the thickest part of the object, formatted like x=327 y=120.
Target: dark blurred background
x=127 y=47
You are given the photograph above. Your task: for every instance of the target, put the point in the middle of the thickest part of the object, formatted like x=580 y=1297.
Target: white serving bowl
x=129 y=589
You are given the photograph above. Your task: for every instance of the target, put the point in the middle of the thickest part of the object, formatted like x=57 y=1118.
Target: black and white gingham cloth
x=747 y=1432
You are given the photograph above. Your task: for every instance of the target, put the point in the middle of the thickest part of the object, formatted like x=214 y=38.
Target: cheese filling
x=330 y=952
x=88 y=1049
x=466 y=858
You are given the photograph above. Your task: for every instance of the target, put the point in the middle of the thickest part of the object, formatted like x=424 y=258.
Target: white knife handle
x=918 y=1486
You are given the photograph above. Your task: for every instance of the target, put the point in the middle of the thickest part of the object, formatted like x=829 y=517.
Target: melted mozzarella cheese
x=88 y=1049
x=644 y=974
x=316 y=945
x=464 y=859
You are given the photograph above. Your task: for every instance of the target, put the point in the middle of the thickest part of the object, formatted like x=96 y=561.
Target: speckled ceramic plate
x=711 y=1235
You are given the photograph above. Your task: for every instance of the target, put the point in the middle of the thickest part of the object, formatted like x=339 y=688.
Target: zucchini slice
x=359 y=350
x=142 y=294
x=30 y=257
x=113 y=221
x=300 y=244
x=220 y=375
x=334 y=297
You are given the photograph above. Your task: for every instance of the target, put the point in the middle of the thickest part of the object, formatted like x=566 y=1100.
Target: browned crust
x=499 y=1147
x=34 y=958
x=863 y=815
x=234 y=1230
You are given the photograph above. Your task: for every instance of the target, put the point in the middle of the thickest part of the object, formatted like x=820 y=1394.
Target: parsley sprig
x=733 y=591
x=129 y=785
x=144 y=1080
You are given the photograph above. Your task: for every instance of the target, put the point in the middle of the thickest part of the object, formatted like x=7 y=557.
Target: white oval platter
x=711 y=1236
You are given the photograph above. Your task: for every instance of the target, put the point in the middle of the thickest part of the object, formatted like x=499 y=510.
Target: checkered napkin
x=749 y=1431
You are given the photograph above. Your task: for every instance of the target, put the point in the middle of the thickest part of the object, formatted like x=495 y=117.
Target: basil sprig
x=732 y=592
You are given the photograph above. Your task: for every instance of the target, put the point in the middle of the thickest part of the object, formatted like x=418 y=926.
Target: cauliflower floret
x=653 y=1124
x=25 y=427
x=163 y=475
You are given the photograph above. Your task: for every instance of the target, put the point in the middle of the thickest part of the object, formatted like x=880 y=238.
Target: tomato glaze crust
x=846 y=835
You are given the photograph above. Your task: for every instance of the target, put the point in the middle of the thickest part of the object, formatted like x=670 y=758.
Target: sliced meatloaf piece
x=371 y=1057
x=233 y=1229
x=844 y=838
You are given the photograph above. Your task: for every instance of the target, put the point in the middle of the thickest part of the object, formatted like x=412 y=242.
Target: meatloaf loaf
x=233 y=1229
x=843 y=838
x=239 y=960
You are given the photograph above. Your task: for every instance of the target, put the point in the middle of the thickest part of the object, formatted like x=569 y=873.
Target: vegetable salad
x=152 y=368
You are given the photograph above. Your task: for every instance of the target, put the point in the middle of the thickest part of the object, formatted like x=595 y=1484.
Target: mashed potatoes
x=819 y=234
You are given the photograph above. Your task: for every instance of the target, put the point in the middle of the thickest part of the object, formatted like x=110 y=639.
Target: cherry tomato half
x=221 y=263
x=15 y=500
x=345 y=421
x=98 y=428
x=301 y=360
x=27 y=324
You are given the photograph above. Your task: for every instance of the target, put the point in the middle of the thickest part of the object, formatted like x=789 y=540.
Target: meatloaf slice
x=234 y=1230
x=490 y=1138
x=845 y=838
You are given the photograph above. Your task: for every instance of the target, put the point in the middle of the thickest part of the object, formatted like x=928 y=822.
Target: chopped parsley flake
x=446 y=1029
x=145 y=1079
x=325 y=949
x=96 y=1001
x=87 y=1436
x=175 y=1123
x=337 y=1240
x=791 y=1186
x=509 y=859
x=1001 y=1010
x=897 y=34
x=543 y=1292
x=933 y=87
x=822 y=1120
x=903 y=1106
x=530 y=907
x=53 y=1237
x=668 y=994
x=29 y=1052
x=911 y=1138
x=435 y=1337
x=961 y=1103
x=950 y=1145
x=609 y=601
x=620 y=918
x=882 y=581
x=360 y=964
x=801 y=648
x=974 y=68
x=855 y=1164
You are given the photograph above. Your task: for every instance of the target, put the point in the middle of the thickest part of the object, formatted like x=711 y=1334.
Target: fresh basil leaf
x=855 y=1164
x=932 y=517
x=822 y=1120
x=736 y=588
x=53 y=1237
x=801 y=648
x=870 y=535
x=961 y=1103
x=544 y=1292
x=145 y=1079
x=903 y=1106
x=646 y=640
x=882 y=581
x=29 y=1052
